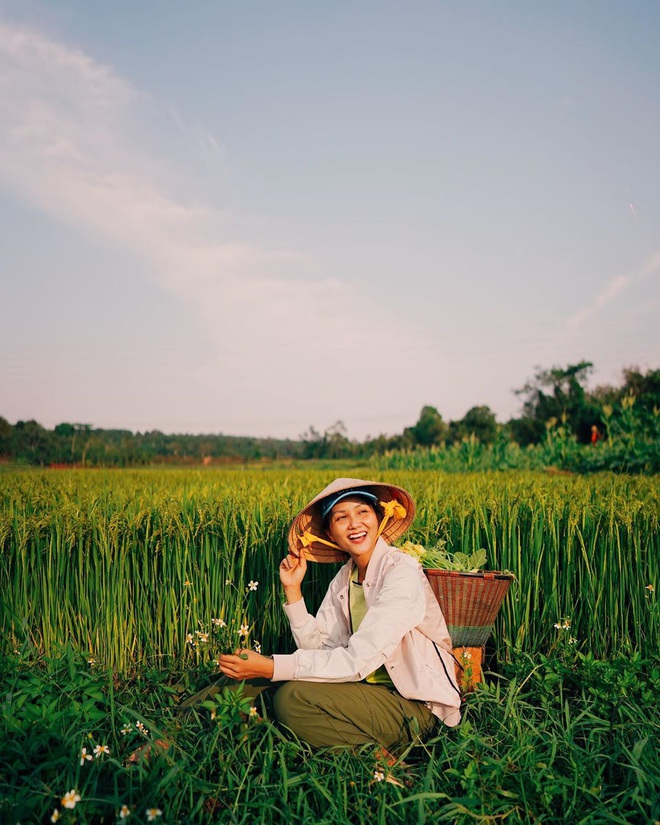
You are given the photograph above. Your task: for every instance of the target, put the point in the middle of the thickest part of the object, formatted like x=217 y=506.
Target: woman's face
x=353 y=526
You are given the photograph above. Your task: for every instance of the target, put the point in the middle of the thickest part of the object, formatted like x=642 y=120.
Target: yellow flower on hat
x=393 y=509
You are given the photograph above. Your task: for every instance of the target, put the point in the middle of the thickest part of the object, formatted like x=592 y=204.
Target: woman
x=374 y=665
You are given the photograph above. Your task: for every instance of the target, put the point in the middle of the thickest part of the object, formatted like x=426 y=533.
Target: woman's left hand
x=246 y=664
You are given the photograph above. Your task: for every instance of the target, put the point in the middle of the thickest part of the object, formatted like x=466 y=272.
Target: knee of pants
x=289 y=704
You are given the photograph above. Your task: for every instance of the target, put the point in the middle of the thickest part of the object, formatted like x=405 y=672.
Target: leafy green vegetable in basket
x=437 y=558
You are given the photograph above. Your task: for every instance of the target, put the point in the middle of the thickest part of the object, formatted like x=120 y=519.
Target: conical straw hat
x=307 y=527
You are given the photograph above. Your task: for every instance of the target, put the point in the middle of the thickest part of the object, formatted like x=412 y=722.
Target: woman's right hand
x=292 y=572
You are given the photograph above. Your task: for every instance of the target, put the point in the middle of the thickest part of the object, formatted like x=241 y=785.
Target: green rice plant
x=127 y=564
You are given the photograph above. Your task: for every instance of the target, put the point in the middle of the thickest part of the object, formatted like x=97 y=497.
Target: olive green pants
x=331 y=714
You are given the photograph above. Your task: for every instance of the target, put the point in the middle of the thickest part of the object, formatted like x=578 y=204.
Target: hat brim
x=309 y=519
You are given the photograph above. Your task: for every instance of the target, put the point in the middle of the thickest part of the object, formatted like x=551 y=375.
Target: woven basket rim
x=480 y=574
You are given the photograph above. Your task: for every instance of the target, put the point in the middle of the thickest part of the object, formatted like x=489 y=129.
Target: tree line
x=555 y=396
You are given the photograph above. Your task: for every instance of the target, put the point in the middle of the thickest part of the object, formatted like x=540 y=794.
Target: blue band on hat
x=328 y=503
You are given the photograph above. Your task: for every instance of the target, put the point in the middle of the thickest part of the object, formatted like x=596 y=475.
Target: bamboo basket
x=469 y=603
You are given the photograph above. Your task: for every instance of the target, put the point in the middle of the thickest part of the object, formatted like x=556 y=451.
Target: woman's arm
x=398 y=608
x=328 y=628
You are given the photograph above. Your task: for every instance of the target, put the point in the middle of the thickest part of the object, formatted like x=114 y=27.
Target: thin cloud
x=612 y=290
x=196 y=131
x=70 y=146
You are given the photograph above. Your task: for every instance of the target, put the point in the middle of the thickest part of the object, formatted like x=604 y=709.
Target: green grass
x=560 y=739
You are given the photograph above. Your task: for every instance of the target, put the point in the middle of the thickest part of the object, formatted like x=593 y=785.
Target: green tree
x=558 y=393
x=6 y=431
x=33 y=443
x=480 y=421
x=334 y=443
x=338 y=442
x=430 y=428
x=644 y=387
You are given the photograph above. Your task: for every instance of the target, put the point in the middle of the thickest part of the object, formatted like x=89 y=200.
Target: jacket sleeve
x=398 y=608
x=329 y=628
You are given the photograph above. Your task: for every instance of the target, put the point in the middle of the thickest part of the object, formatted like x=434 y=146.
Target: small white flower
x=557 y=625
x=99 y=750
x=126 y=729
x=219 y=622
x=55 y=815
x=650 y=588
x=85 y=757
x=379 y=776
x=70 y=799
x=254 y=712
x=244 y=631
x=143 y=730
x=257 y=647
x=202 y=637
x=153 y=813
x=227 y=581
x=91 y=662
x=124 y=812
x=253 y=585
x=572 y=640
x=190 y=639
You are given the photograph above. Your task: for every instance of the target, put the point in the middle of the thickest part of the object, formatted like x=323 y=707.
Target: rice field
x=126 y=564
x=111 y=579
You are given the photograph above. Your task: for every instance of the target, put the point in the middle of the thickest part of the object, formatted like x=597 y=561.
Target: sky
x=253 y=218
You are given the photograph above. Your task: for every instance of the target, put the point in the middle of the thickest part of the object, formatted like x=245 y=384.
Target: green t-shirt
x=358 y=610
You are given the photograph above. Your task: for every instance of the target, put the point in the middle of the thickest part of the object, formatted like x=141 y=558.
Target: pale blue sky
x=254 y=217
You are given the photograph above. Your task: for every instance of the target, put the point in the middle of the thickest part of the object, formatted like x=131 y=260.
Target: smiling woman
x=374 y=665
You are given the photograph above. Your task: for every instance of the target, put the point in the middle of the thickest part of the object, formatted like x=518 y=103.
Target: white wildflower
x=70 y=799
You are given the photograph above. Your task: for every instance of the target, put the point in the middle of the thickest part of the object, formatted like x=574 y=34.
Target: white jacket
x=402 y=623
